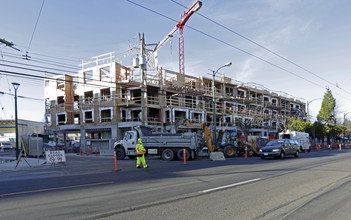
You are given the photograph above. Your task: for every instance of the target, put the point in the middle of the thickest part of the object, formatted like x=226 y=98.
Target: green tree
x=327 y=112
x=297 y=125
x=318 y=130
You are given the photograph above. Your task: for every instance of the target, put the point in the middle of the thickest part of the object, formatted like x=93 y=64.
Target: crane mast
x=179 y=27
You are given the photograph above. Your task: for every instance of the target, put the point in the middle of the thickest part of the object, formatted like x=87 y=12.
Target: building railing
x=105 y=98
x=106 y=119
x=89 y=120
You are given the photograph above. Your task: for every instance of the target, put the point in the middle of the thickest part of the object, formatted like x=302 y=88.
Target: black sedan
x=280 y=148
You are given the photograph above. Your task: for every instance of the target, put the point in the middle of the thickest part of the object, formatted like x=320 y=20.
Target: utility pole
x=142 y=61
x=15 y=86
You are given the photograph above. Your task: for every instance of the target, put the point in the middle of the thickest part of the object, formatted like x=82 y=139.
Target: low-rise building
x=25 y=127
x=104 y=99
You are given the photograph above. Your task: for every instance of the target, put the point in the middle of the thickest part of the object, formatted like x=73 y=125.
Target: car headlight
x=260 y=150
x=276 y=150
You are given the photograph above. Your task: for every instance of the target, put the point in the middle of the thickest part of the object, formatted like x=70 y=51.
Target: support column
x=65 y=142
x=115 y=134
x=83 y=140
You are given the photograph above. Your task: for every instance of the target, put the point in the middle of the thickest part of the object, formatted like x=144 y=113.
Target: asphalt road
x=313 y=186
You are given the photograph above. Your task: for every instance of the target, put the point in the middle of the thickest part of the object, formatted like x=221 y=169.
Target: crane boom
x=179 y=27
x=169 y=35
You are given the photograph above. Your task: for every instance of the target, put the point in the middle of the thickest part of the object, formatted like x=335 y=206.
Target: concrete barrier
x=217 y=156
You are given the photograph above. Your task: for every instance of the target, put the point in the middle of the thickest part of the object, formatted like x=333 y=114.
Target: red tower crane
x=180 y=26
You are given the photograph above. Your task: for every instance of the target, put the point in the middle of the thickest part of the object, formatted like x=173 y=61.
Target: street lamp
x=308 y=104
x=214 y=121
x=15 y=86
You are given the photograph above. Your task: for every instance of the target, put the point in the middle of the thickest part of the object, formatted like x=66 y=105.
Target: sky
x=300 y=47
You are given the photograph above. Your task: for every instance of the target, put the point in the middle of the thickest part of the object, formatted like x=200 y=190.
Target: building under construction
x=105 y=99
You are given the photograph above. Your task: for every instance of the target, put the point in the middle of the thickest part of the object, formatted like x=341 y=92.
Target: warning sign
x=56 y=156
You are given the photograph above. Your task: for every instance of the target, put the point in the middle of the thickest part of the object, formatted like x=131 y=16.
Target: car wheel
x=262 y=157
x=297 y=153
x=282 y=155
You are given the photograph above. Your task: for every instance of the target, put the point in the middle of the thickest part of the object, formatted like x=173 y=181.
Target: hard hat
x=139 y=141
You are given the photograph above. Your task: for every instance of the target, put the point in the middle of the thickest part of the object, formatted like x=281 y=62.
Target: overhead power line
x=42 y=61
x=47 y=68
x=228 y=44
x=259 y=45
x=20 y=96
x=237 y=48
x=35 y=27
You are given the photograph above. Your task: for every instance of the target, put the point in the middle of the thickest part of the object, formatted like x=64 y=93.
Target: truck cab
x=126 y=146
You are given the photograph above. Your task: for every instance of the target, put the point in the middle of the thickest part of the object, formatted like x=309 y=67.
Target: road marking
x=231 y=185
x=57 y=188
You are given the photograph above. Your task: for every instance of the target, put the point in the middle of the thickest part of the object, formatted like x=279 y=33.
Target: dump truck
x=168 y=146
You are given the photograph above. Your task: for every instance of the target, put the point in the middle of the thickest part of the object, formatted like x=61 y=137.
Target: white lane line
x=231 y=185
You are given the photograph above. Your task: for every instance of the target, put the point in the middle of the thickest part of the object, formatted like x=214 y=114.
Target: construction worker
x=140 y=150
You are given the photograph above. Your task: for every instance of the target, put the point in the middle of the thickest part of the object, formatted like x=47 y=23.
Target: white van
x=302 y=137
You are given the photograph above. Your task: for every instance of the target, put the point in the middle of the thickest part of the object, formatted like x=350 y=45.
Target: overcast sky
x=313 y=35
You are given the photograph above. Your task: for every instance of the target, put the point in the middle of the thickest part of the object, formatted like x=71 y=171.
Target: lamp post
x=214 y=121
x=15 y=86
x=308 y=110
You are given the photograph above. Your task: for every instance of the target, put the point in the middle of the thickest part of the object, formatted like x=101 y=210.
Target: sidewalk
x=9 y=163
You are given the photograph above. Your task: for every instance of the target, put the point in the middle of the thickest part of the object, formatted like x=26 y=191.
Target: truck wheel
x=168 y=154
x=229 y=151
x=180 y=154
x=120 y=153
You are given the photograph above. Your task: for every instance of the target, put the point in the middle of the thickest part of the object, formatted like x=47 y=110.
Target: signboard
x=152 y=151
x=56 y=156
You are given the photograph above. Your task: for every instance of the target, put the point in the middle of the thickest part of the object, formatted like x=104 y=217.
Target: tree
x=245 y=126
x=297 y=125
x=327 y=112
x=318 y=130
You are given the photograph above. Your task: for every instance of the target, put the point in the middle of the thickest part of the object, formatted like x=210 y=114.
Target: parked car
x=280 y=148
x=6 y=145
